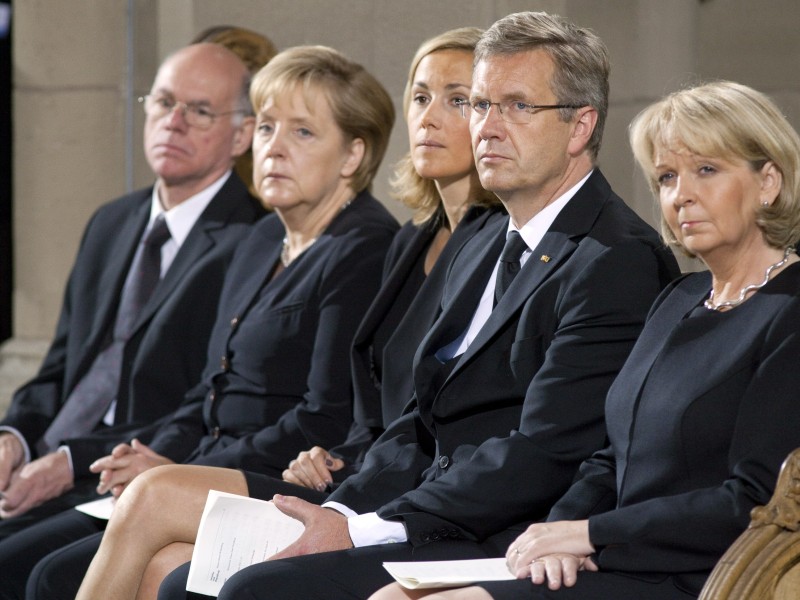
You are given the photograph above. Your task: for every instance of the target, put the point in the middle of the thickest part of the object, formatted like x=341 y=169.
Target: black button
x=444 y=462
x=435 y=536
x=425 y=538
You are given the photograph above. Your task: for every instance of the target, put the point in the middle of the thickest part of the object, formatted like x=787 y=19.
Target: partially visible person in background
x=254 y=50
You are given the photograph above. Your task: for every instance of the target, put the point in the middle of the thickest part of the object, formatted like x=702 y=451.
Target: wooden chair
x=764 y=562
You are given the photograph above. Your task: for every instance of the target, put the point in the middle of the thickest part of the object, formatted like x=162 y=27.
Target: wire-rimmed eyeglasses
x=515 y=111
x=196 y=115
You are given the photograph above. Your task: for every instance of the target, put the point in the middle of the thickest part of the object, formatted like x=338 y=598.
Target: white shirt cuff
x=369 y=529
x=68 y=452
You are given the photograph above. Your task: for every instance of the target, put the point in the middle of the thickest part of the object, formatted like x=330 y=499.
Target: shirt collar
x=180 y=219
x=533 y=231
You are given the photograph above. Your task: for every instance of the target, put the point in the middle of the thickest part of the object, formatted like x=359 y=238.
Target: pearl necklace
x=709 y=303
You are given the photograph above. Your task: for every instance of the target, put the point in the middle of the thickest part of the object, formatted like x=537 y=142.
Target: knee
x=40 y=582
x=52 y=580
x=241 y=585
x=283 y=578
x=174 y=586
x=144 y=497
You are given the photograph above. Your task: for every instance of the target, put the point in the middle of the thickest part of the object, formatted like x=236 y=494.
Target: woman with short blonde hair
x=729 y=120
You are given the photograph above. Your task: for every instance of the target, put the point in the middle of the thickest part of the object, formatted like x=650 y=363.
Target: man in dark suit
x=114 y=364
x=511 y=380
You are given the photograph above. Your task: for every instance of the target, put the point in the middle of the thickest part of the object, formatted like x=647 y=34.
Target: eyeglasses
x=463 y=106
x=194 y=114
x=516 y=111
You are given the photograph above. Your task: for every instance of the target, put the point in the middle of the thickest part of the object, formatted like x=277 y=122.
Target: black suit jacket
x=496 y=438
x=165 y=355
x=398 y=319
x=699 y=420
x=277 y=379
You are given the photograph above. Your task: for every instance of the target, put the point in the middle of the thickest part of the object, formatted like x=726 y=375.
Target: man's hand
x=326 y=529
x=312 y=469
x=38 y=481
x=11 y=456
x=124 y=463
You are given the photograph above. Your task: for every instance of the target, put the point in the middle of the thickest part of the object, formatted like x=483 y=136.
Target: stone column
x=69 y=155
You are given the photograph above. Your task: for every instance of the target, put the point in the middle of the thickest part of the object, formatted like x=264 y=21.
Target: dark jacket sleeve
x=595 y=487
x=395 y=464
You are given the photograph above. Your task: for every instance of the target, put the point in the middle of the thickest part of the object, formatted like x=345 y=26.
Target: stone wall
x=78 y=129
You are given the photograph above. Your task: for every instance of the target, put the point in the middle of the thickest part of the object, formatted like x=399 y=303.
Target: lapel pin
x=544 y=258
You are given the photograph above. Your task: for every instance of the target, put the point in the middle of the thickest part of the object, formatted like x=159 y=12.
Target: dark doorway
x=6 y=279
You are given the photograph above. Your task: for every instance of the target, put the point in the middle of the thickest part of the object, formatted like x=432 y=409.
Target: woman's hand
x=124 y=463
x=313 y=469
x=558 y=569
x=552 y=552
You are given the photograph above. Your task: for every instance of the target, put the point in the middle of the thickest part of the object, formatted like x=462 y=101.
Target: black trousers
x=349 y=574
x=590 y=586
x=60 y=573
x=357 y=573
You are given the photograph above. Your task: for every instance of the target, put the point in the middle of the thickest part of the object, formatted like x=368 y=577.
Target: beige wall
x=75 y=73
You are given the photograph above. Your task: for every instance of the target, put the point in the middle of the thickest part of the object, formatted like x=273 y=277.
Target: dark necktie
x=146 y=274
x=92 y=396
x=509 y=263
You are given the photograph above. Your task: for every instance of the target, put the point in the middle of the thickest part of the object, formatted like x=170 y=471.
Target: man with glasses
x=539 y=313
x=142 y=295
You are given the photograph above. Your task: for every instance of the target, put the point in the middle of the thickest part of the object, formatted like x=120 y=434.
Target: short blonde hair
x=731 y=121
x=360 y=105
x=580 y=58
x=408 y=186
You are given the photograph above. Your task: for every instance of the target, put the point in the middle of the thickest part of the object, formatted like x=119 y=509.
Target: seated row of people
x=298 y=318
x=506 y=347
